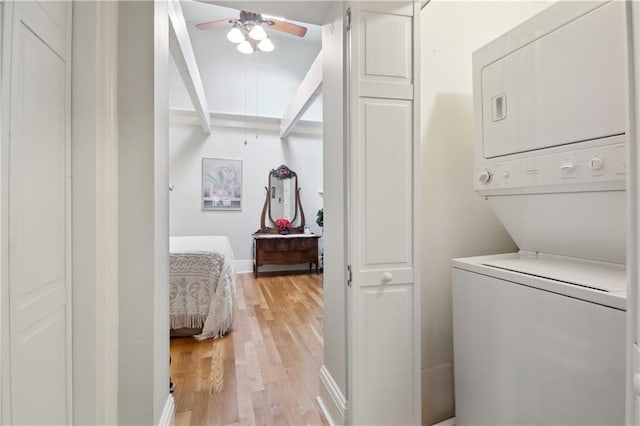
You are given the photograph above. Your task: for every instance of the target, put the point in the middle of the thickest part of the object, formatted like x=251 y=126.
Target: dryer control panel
x=596 y=168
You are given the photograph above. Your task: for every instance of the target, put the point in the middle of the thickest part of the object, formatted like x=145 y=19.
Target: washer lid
x=603 y=276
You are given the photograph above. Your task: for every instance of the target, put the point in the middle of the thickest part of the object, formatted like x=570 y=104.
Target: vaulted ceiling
x=311 y=12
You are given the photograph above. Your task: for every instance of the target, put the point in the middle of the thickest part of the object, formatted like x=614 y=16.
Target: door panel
x=387 y=64
x=387 y=141
x=39 y=290
x=391 y=369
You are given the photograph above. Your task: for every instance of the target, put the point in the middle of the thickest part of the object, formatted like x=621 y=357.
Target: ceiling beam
x=182 y=52
x=307 y=92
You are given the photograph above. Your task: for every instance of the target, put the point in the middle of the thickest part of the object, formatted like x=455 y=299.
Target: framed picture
x=221 y=184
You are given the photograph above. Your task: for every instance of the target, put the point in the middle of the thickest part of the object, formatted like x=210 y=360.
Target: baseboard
x=448 y=422
x=168 y=416
x=246 y=265
x=331 y=400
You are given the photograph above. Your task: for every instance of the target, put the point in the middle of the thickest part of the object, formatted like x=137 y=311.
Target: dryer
x=539 y=335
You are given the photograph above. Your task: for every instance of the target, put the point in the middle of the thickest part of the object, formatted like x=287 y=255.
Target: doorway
x=264 y=369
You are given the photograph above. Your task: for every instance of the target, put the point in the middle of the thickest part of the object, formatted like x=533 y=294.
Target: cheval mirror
x=282 y=202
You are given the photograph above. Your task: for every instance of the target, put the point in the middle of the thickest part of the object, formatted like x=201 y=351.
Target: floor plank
x=263 y=372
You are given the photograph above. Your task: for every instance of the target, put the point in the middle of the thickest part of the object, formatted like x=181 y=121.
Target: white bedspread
x=202 y=284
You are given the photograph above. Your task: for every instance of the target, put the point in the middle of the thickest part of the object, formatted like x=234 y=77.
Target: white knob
x=485 y=176
x=386 y=277
x=506 y=174
x=568 y=166
x=596 y=163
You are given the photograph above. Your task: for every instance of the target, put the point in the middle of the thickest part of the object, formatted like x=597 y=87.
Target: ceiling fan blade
x=287 y=27
x=212 y=24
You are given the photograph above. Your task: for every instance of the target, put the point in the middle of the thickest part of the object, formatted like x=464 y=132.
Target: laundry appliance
x=539 y=335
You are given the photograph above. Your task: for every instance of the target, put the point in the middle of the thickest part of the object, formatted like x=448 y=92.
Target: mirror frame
x=282 y=169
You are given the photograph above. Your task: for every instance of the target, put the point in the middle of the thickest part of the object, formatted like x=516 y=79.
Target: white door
x=37 y=146
x=384 y=297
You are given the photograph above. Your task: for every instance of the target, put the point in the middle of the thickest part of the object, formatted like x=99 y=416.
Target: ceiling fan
x=249 y=33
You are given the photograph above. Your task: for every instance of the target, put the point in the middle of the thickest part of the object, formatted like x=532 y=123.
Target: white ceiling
x=196 y=12
x=307 y=11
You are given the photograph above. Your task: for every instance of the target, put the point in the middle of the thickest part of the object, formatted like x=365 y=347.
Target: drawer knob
x=386 y=277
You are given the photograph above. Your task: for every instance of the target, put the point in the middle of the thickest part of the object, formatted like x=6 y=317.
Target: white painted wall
x=160 y=141
x=335 y=290
x=457 y=222
x=303 y=154
x=143 y=377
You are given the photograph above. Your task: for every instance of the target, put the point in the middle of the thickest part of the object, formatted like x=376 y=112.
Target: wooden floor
x=265 y=371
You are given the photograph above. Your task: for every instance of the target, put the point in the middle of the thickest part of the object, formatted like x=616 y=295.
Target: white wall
x=143 y=304
x=335 y=325
x=457 y=223
x=303 y=154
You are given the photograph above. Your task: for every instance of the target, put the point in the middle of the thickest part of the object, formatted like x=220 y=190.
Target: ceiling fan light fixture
x=266 y=45
x=235 y=35
x=245 y=47
x=257 y=33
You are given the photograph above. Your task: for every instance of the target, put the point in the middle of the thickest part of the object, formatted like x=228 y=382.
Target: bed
x=202 y=285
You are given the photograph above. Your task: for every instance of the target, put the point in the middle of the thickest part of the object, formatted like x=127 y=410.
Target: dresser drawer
x=275 y=244
x=291 y=250
x=288 y=258
x=305 y=243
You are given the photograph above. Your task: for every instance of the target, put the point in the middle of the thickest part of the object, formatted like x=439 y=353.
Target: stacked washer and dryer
x=539 y=335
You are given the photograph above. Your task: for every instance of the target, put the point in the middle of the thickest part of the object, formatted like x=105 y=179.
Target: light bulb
x=245 y=47
x=266 y=45
x=257 y=33
x=235 y=35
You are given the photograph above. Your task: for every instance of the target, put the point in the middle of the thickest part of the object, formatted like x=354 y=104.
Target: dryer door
x=564 y=87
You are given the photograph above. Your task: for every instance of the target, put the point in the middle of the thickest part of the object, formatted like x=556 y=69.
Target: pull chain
x=256 y=123
x=246 y=94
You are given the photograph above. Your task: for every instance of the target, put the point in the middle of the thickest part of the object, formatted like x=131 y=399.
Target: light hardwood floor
x=265 y=371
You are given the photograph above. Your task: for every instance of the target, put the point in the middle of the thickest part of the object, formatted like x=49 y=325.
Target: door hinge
x=349 y=275
x=348 y=18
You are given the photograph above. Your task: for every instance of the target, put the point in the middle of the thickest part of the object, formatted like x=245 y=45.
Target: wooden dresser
x=291 y=249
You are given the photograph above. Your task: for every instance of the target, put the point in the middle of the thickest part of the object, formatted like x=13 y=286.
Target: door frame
x=106 y=320
x=95 y=135
x=633 y=212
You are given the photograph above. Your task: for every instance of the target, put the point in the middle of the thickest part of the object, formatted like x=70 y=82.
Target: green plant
x=320 y=218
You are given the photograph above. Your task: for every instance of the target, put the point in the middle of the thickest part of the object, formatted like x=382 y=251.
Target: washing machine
x=539 y=335
x=539 y=340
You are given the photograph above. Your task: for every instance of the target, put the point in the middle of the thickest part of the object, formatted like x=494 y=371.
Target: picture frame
x=221 y=184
